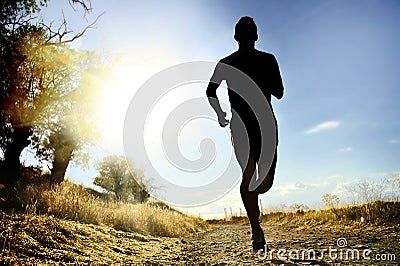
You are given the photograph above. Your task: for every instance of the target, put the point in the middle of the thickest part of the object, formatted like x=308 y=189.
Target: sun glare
x=115 y=97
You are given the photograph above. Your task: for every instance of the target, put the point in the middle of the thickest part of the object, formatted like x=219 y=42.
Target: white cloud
x=394 y=141
x=299 y=185
x=323 y=126
x=347 y=149
x=335 y=177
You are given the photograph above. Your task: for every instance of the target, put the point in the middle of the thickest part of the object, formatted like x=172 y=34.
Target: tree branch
x=86 y=5
x=62 y=31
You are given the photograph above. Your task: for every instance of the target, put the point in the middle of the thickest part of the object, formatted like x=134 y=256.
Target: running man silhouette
x=263 y=69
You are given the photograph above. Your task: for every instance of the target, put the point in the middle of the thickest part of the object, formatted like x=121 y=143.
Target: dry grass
x=74 y=202
x=373 y=213
x=30 y=239
x=72 y=224
x=230 y=220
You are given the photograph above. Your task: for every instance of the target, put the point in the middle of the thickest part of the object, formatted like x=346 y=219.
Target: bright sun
x=116 y=95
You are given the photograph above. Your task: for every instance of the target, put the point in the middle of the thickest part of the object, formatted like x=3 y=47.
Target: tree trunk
x=11 y=164
x=144 y=195
x=60 y=164
x=64 y=145
x=141 y=195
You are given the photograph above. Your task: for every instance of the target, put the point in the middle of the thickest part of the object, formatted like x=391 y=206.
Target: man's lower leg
x=250 y=201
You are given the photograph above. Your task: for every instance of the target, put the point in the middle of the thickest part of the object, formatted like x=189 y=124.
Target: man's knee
x=246 y=193
x=243 y=189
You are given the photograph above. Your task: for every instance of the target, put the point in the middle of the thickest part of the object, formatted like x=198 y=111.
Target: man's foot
x=258 y=240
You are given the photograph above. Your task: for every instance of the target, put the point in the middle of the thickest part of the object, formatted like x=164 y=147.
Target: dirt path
x=41 y=240
x=231 y=245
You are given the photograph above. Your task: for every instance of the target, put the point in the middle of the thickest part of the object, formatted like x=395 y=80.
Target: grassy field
x=78 y=203
x=372 y=213
x=74 y=224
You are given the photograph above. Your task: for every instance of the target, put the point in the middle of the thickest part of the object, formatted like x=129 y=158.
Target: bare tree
x=368 y=191
x=330 y=200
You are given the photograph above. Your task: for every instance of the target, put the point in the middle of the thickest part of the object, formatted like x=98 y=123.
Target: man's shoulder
x=265 y=54
x=229 y=58
x=237 y=56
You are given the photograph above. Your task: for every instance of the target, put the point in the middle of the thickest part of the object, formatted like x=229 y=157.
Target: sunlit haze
x=338 y=121
x=115 y=96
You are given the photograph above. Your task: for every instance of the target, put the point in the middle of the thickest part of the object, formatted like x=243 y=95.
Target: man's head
x=246 y=30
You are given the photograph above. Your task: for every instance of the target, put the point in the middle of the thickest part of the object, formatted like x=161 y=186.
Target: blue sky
x=339 y=60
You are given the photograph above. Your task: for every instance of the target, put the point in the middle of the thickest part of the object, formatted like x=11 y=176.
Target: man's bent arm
x=276 y=84
x=213 y=100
